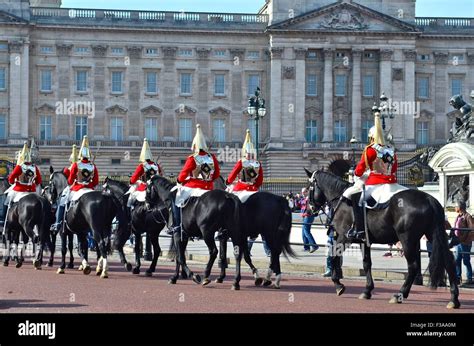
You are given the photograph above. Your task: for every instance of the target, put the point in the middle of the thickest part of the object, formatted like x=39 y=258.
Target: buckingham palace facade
x=120 y=76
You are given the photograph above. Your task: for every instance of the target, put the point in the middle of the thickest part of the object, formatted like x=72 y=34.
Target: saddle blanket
x=19 y=195
x=377 y=196
x=139 y=196
x=244 y=195
x=78 y=194
x=184 y=193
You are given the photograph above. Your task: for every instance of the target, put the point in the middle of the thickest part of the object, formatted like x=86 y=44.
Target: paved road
x=27 y=290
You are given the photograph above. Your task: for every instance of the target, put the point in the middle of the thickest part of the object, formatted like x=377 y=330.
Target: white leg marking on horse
x=255 y=275
x=269 y=274
x=278 y=280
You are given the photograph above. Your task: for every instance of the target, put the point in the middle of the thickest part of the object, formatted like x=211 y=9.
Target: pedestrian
x=330 y=243
x=463 y=249
x=308 y=219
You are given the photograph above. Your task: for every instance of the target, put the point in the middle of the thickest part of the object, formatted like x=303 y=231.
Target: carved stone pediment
x=135 y=52
x=116 y=109
x=10 y=18
x=63 y=49
x=99 y=50
x=46 y=108
x=313 y=111
x=219 y=111
x=182 y=109
x=344 y=16
x=288 y=72
x=397 y=74
x=151 y=110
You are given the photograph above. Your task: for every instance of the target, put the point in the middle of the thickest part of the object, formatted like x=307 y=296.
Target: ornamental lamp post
x=385 y=109
x=354 y=141
x=257 y=110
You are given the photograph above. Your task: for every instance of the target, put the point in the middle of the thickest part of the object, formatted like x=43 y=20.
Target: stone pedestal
x=454 y=164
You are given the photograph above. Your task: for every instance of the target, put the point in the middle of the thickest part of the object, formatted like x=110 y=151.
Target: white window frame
x=310 y=84
x=365 y=86
x=336 y=85
x=76 y=79
x=46 y=123
x=147 y=83
x=251 y=91
x=182 y=86
x=112 y=82
x=115 y=124
x=42 y=71
x=311 y=126
x=219 y=130
x=81 y=125
x=4 y=86
x=216 y=84
x=185 y=136
x=151 y=128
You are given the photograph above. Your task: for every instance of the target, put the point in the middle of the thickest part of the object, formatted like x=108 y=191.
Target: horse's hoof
x=81 y=268
x=206 y=282
x=50 y=263
x=104 y=275
x=172 y=281
x=396 y=299
x=60 y=271
x=39 y=268
x=258 y=282
x=5 y=264
x=87 y=270
x=276 y=287
x=136 y=271
x=197 y=279
x=70 y=266
x=37 y=264
x=98 y=272
x=184 y=276
x=340 y=290
x=148 y=273
x=19 y=264
x=365 y=296
x=128 y=266
x=454 y=305
x=267 y=283
x=219 y=280
x=235 y=287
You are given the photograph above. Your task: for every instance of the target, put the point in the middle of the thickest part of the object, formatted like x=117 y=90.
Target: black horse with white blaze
x=201 y=218
x=410 y=215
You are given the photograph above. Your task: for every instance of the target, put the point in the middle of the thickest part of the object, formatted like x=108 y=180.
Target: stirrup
x=355 y=236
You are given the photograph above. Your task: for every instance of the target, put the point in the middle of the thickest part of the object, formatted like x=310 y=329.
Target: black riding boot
x=357 y=233
x=4 y=213
x=176 y=213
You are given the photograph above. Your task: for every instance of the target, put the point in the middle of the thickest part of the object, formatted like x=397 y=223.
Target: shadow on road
x=33 y=303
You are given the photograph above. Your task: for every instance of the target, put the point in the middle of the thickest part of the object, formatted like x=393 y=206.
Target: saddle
x=377 y=197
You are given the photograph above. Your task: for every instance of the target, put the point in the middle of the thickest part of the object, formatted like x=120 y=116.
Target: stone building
x=120 y=76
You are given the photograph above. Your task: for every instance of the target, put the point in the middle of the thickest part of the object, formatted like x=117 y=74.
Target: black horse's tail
x=284 y=231
x=172 y=251
x=441 y=256
x=123 y=230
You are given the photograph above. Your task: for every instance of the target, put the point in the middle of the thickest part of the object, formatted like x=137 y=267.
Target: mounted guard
x=249 y=170
x=24 y=179
x=145 y=170
x=73 y=158
x=375 y=177
x=196 y=177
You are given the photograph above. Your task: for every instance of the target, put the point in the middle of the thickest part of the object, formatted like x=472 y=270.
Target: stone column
x=203 y=75
x=386 y=72
x=275 y=94
x=409 y=119
x=101 y=83
x=25 y=87
x=15 y=90
x=440 y=95
x=356 y=94
x=135 y=122
x=470 y=73
x=328 y=122
x=170 y=90
x=300 y=90
x=63 y=121
x=238 y=85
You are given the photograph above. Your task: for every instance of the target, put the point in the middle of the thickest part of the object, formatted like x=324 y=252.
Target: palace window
x=185 y=85
x=422 y=133
x=366 y=126
x=218 y=130
x=46 y=49
x=312 y=55
x=45 y=80
x=185 y=130
x=151 y=51
x=3 y=80
x=81 y=128
x=81 y=49
x=312 y=86
x=423 y=87
x=46 y=129
x=185 y=52
x=220 y=53
x=253 y=54
x=311 y=131
x=116 y=129
x=151 y=129
x=117 y=80
x=3 y=126
x=340 y=131
x=341 y=85
x=117 y=50
x=81 y=81
x=219 y=85
x=368 y=87
x=456 y=86
x=252 y=84
x=151 y=82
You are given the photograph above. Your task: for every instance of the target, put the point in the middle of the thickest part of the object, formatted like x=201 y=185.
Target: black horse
x=257 y=212
x=409 y=215
x=142 y=219
x=57 y=184
x=95 y=211
x=30 y=217
x=201 y=218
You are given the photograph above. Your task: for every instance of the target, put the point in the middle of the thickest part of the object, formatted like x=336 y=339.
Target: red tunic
x=139 y=172
x=241 y=186
x=21 y=187
x=375 y=178
x=66 y=172
x=190 y=166
x=73 y=176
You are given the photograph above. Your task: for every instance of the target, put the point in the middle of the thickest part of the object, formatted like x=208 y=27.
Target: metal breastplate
x=384 y=161
x=150 y=170
x=249 y=173
x=204 y=167
x=28 y=175
x=85 y=172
